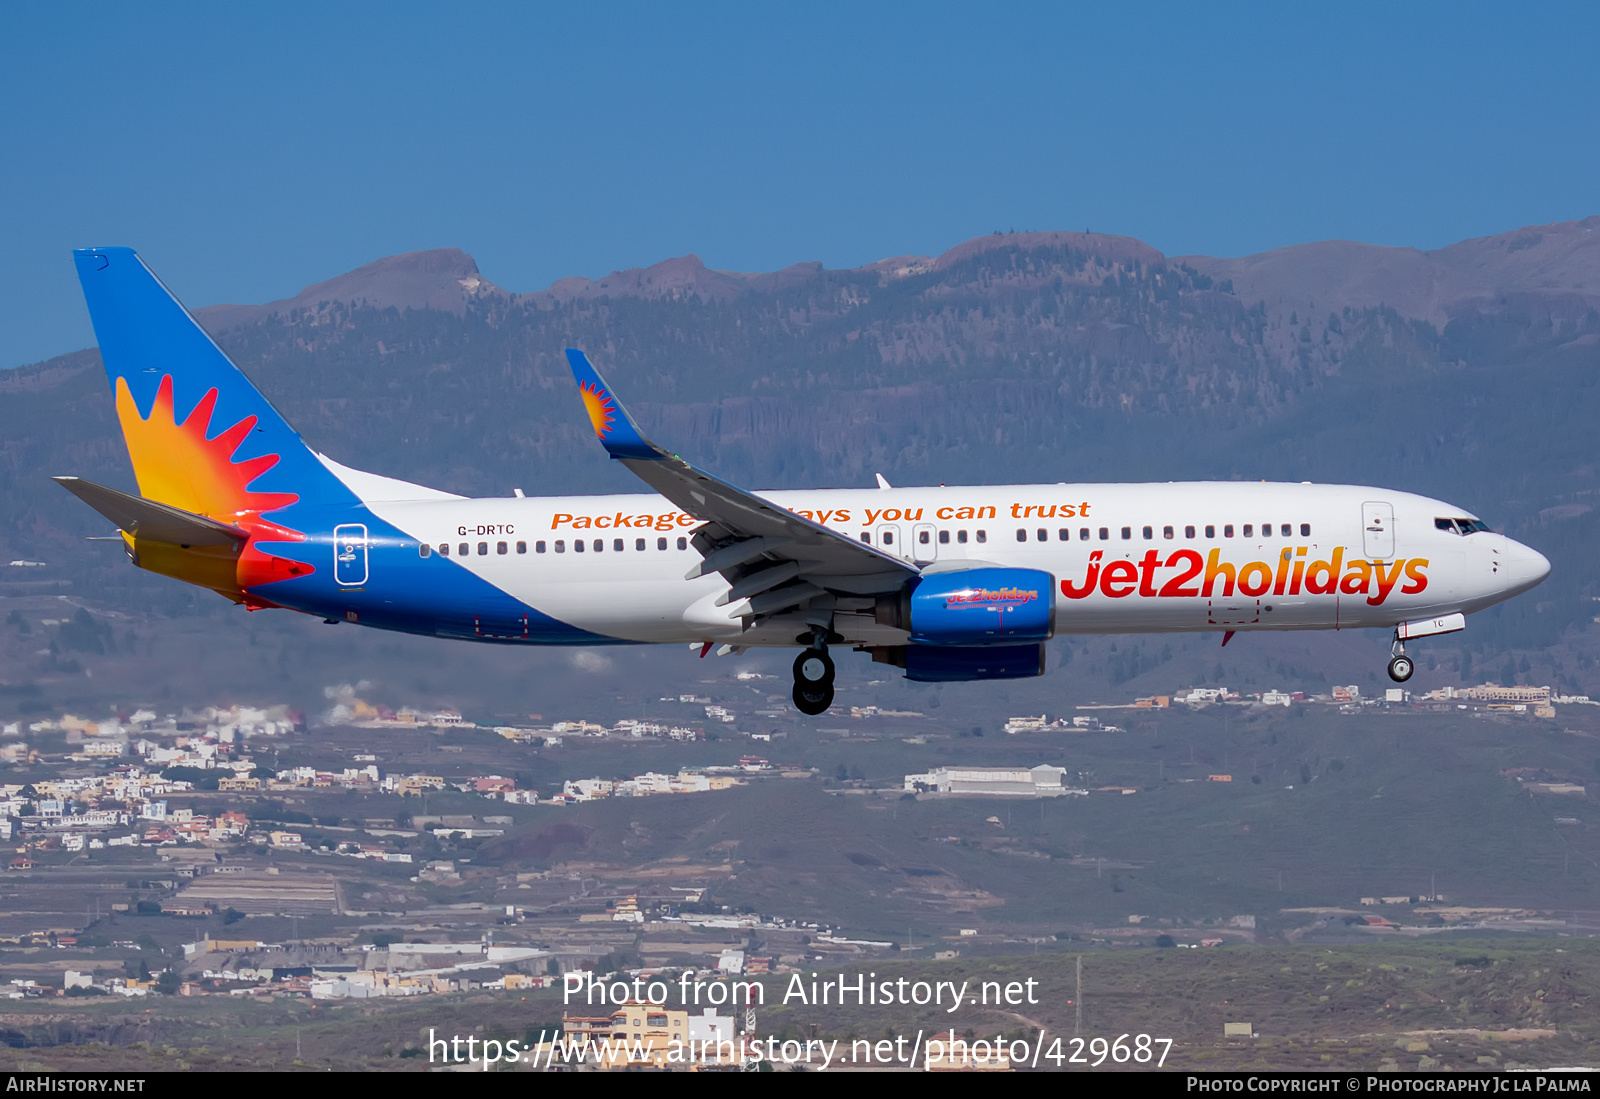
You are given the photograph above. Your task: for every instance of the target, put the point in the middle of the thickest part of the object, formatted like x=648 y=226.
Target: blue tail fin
x=202 y=438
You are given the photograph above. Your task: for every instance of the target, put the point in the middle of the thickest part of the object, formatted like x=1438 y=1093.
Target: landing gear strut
x=1400 y=666
x=813 y=679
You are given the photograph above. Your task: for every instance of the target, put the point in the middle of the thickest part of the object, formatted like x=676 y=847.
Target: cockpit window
x=1445 y=525
x=1460 y=526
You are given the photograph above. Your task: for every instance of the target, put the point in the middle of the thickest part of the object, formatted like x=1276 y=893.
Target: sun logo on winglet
x=597 y=402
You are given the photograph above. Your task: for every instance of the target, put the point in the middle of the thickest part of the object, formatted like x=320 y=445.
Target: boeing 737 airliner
x=957 y=583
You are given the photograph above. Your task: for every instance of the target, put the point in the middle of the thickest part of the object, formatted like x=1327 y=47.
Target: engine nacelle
x=951 y=664
x=969 y=607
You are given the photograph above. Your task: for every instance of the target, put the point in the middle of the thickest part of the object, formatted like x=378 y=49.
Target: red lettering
x=1328 y=569
x=1283 y=571
x=1174 y=588
x=1147 y=569
x=1357 y=580
x=1419 y=582
x=1299 y=571
x=1216 y=567
x=1386 y=581
x=1255 y=568
x=1119 y=572
x=1092 y=577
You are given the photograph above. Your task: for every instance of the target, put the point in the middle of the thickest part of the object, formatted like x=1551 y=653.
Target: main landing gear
x=1400 y=666
x=813 y=679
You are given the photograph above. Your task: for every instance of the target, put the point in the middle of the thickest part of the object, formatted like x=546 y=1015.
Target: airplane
x=948 y=583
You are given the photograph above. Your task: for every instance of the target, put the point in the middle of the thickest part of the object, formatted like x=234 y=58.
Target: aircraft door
x=1377 y=529
x=924 y=544
x=888 y=538
x=350 y=555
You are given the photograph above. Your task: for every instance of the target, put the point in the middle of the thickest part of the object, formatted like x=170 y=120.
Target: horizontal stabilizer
x=148 y=519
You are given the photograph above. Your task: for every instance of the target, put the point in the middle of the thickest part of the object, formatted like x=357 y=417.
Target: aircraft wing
x=147 y=519
x=774 y=558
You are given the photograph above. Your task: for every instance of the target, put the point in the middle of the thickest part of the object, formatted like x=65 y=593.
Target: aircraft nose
x=1522 y=567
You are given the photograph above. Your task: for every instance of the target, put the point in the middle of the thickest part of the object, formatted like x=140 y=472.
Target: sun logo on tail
x=602 y=411
x=177 y=464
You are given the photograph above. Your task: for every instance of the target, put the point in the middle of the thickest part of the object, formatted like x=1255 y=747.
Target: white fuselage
x=1158 y=557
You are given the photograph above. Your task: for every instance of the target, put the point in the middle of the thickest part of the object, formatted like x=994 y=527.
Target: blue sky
x=249 y=150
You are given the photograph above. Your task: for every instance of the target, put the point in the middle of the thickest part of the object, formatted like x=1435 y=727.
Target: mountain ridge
x=1559 y=262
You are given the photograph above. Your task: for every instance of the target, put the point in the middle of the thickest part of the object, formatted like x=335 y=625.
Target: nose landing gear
x=1400 y=666
x=813 y=679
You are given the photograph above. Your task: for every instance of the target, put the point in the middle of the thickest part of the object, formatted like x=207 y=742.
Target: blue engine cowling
x=949 y=664
x=984 y=606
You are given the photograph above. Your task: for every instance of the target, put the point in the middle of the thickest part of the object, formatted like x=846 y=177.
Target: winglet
x=612 y=425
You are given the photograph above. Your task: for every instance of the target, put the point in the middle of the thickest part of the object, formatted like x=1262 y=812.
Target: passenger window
x=888 y=537
x=483 y=549
x=1149 y=533
x=1248 y=529
x=1286 y=530
x=683 y=543
x=538 y=547
x=961 y=536
x=1063 y=535
x=924 y=537
x=1227 y=530
x=866 y=538
x=1022 y=535
x=463 y=549
x=1166 y=532
x=501 y=548
x=1083 y=534
x=1105 y=533
x=577 y=545
x=1305 y=530
x=1211 y=531
x=1041 y=535
x=944 y=538
x=617 y=545
x=444 y=549
x=638 y=544
x=983 y=536
x=424 y=550
x=522 y=547
x=1127 y=533
x=561 y=545
x=661 y=543
x=599 y=545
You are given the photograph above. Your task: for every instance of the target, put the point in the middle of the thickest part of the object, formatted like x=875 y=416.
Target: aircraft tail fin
x=202 y=438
